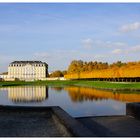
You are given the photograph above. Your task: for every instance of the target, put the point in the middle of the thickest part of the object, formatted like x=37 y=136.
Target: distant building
x=3 y=75
x=27 y=70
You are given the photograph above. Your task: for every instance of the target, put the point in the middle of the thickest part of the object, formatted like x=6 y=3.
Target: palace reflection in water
x=27 y=93
x=77 y=101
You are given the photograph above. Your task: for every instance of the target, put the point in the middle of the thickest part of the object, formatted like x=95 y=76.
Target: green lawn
x=95 y=84
x=109 y=85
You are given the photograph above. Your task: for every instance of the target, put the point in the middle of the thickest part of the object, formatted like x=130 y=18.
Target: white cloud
x=130 y=50
x=117 y=51
x=130 y=27
x=42 y=54
x=133 y=49
x=114 y=44
x=136 y=48
x=119 y=44
x=88 y=43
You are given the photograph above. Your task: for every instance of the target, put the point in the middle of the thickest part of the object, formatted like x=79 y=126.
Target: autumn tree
x=80 y=66
x=75 y=66
x=117 y=64
x=80 y=69
x=56 y=73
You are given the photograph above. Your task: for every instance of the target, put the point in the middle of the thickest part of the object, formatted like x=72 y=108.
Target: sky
x=57 y=33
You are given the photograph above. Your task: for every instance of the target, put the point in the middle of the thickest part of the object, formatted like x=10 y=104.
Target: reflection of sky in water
x=76 y=101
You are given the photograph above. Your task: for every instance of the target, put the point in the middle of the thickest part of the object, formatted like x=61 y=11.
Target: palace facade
x=27 y=70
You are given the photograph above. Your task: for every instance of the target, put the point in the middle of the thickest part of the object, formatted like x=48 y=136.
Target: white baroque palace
x=27 y=70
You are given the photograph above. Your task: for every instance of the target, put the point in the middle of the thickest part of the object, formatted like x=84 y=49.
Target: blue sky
x=58 y=33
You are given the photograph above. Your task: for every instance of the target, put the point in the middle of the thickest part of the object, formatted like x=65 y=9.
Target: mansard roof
x=28 y=62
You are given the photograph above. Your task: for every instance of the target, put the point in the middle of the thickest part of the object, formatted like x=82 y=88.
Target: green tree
x=56 y=73
x=64 y=72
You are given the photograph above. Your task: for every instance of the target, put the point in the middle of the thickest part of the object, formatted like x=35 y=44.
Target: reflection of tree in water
x=79 y=94
x=84 y=94
x=28 y=94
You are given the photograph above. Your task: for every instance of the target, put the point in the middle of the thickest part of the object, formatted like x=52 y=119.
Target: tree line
x=83 y=66
x=77 y=66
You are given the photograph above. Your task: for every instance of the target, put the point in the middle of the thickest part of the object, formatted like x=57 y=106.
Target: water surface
x=77 y=101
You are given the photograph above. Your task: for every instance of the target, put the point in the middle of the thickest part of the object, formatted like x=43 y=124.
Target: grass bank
x=95 y=84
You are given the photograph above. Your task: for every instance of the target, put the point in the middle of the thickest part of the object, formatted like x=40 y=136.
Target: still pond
x=77 y=101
